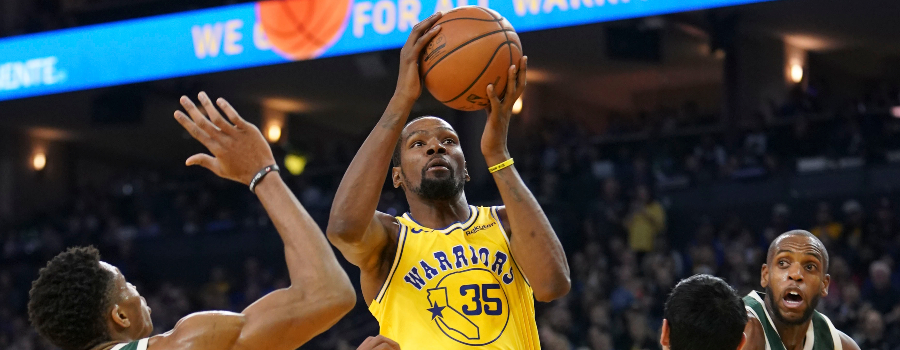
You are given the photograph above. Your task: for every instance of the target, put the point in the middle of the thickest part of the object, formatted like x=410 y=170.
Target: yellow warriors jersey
x=456 y=288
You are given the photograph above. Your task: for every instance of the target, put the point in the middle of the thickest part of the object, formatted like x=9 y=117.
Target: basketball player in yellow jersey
x=81 y=303
x=446 y=275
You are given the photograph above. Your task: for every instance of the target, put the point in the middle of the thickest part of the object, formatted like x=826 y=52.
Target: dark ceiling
x=347 y=94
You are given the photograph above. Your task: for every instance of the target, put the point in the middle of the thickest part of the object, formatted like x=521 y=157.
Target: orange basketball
x=303 y=29
x=475 y=48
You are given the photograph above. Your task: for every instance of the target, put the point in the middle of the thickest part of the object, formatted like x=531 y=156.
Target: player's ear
x=743 y=341
x=825 y=283
x=664 y=335
x=119 y=317
x=396 y=177
x=764 y=276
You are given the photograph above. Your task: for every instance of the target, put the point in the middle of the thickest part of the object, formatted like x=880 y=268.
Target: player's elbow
x=342 y=231
x=342 y=297
x=345 y=298
x=556 y=288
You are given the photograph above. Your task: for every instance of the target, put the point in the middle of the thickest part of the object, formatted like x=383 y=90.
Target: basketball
x=476 y=47
x=303 y=29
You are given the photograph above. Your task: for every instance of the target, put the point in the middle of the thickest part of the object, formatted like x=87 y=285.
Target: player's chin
x=794 y=315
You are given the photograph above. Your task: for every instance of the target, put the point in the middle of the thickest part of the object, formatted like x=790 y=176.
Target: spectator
x=710 y=157
x=854 y=225
x=216 y=291
x=609 y=210
x=878 y=291
x=871 y=336
x=827 y=229
x=645 y=221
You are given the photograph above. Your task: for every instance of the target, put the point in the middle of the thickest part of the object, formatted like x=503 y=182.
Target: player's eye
x=782 y=263
x=417 y=144
x=449 y=141
x=811 y=267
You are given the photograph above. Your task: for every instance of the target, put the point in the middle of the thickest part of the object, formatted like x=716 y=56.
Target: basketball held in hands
x=475 y=48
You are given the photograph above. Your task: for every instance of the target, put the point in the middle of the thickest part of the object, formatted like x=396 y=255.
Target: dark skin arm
x=756 y=338
x=320 y=292
x=367 y=238
x=848 y=343
x=532 y=240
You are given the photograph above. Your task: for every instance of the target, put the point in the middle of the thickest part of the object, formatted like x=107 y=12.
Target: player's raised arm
x=320 y=292
x=532 y=240
x=354 y=226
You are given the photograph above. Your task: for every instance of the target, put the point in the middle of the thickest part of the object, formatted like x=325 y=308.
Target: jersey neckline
x=473 y=214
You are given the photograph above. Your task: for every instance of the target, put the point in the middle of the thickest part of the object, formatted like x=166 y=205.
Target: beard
x=439 y=189
x=776 y=312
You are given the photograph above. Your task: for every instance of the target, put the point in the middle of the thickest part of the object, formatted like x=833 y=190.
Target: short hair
x=395 y=159
x=771 y=252
x=68 y=300
x=705 y=313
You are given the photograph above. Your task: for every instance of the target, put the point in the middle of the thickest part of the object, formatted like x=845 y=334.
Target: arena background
x=739 y=122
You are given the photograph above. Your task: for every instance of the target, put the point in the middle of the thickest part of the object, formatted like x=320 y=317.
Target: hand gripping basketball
x=409 y=84
x=493 y=141
x=239 y=149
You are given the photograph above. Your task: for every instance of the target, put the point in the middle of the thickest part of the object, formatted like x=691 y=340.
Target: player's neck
x=439 y=214
x=792 y=335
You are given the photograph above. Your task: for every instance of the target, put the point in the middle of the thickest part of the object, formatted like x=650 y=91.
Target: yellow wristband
x=501 y=166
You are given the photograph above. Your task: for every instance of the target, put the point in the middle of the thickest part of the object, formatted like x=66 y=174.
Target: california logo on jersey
x=456 y=288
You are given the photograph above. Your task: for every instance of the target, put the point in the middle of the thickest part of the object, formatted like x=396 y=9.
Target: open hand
x=379 y=343
x=239 y=149
x=493 y=142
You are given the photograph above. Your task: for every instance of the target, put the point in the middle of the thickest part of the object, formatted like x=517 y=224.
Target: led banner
x=264 y=33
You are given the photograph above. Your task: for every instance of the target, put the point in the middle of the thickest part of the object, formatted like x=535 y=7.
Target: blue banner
x=264 y=33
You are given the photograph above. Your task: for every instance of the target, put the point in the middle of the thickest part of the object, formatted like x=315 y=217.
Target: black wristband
x=261 y=174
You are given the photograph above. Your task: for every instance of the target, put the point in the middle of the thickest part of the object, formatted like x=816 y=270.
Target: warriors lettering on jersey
x=456 y=288
x=462 y=259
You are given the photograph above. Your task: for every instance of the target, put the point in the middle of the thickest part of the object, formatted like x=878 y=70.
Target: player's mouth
x=792 y=299
x=437 y=164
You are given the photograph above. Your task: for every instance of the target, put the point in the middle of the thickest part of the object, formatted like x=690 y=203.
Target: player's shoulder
x=847 y=343
x=200 y=331
x=390 y=223
x=756 y=337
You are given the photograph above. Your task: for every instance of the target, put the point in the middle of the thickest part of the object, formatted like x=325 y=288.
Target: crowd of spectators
x=607 y=202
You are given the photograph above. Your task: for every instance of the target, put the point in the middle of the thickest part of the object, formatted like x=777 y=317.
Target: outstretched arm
x=354 y=226
x=320 y=292
x=533 y=242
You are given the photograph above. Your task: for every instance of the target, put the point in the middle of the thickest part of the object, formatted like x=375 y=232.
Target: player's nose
x=436 y=147
x=794 y=273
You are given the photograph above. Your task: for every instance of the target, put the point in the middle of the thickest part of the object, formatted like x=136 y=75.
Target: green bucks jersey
x=821 y=334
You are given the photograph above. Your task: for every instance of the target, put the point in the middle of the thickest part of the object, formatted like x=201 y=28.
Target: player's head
x=428 y=160
x=78 y=302
x=703 y=313
x=795 y=276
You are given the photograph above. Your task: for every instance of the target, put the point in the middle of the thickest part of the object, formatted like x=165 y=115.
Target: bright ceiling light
x=273 y=133
x=796 y=73
x=39 y=161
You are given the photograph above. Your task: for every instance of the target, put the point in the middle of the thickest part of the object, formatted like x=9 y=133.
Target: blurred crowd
x=607 y=202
